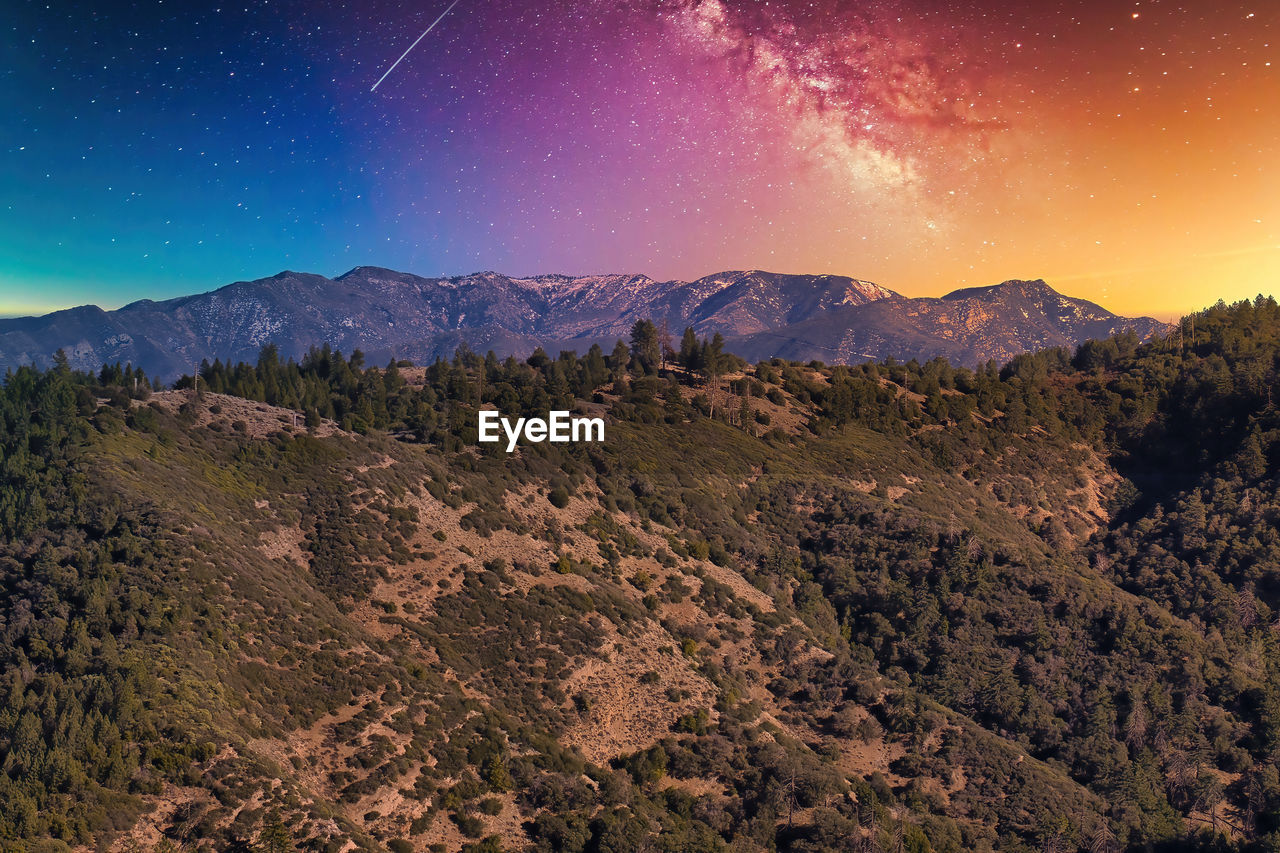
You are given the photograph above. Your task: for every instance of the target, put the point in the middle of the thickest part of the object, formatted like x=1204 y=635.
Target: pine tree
x=646 y=352
x=274 y=838
x=690 y=351
x=594 y=369
x=619 y=360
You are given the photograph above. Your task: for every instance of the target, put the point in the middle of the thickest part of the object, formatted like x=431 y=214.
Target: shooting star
x=415 y=43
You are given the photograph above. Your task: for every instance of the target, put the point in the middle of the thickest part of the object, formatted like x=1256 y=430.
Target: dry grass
x=260 y=419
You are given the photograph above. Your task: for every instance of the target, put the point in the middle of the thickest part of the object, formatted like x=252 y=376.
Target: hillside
x=780 y=607
x=389 y=314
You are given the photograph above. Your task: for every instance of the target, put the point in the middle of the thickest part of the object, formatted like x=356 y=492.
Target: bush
x=472 y=827
x=492 y=844
x=694 y=723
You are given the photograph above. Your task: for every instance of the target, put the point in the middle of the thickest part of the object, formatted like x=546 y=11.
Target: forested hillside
x=782 y=606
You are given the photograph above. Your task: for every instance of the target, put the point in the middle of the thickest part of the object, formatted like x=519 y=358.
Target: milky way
x=1124 y=152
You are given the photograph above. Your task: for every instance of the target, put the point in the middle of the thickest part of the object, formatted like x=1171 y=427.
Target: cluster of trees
x=326 y=384
x=80 y=603
x=1169 y=717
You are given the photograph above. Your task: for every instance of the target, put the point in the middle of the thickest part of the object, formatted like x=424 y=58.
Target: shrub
x=472 y=827
x=694 y=723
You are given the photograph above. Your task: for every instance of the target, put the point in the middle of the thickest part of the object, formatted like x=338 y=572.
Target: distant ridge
x=388 y=314
x=967 y=326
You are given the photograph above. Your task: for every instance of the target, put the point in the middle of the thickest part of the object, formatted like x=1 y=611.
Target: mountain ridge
x=392 y=314
x=967 y=326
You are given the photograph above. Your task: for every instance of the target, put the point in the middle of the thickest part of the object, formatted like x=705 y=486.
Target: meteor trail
x=415 y=43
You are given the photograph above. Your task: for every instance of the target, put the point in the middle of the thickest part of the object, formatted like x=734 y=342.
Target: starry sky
x=1126 y=152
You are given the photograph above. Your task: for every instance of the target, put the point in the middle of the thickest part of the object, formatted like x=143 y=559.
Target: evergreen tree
x=619 y=360
x=690 y=351
x=646 y=354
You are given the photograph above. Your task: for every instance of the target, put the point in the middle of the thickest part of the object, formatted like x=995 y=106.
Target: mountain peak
x=366 y=270
x=1014 y=286
x=867 y=291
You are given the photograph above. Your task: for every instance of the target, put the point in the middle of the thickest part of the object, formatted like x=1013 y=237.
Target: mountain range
x=394 y=314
